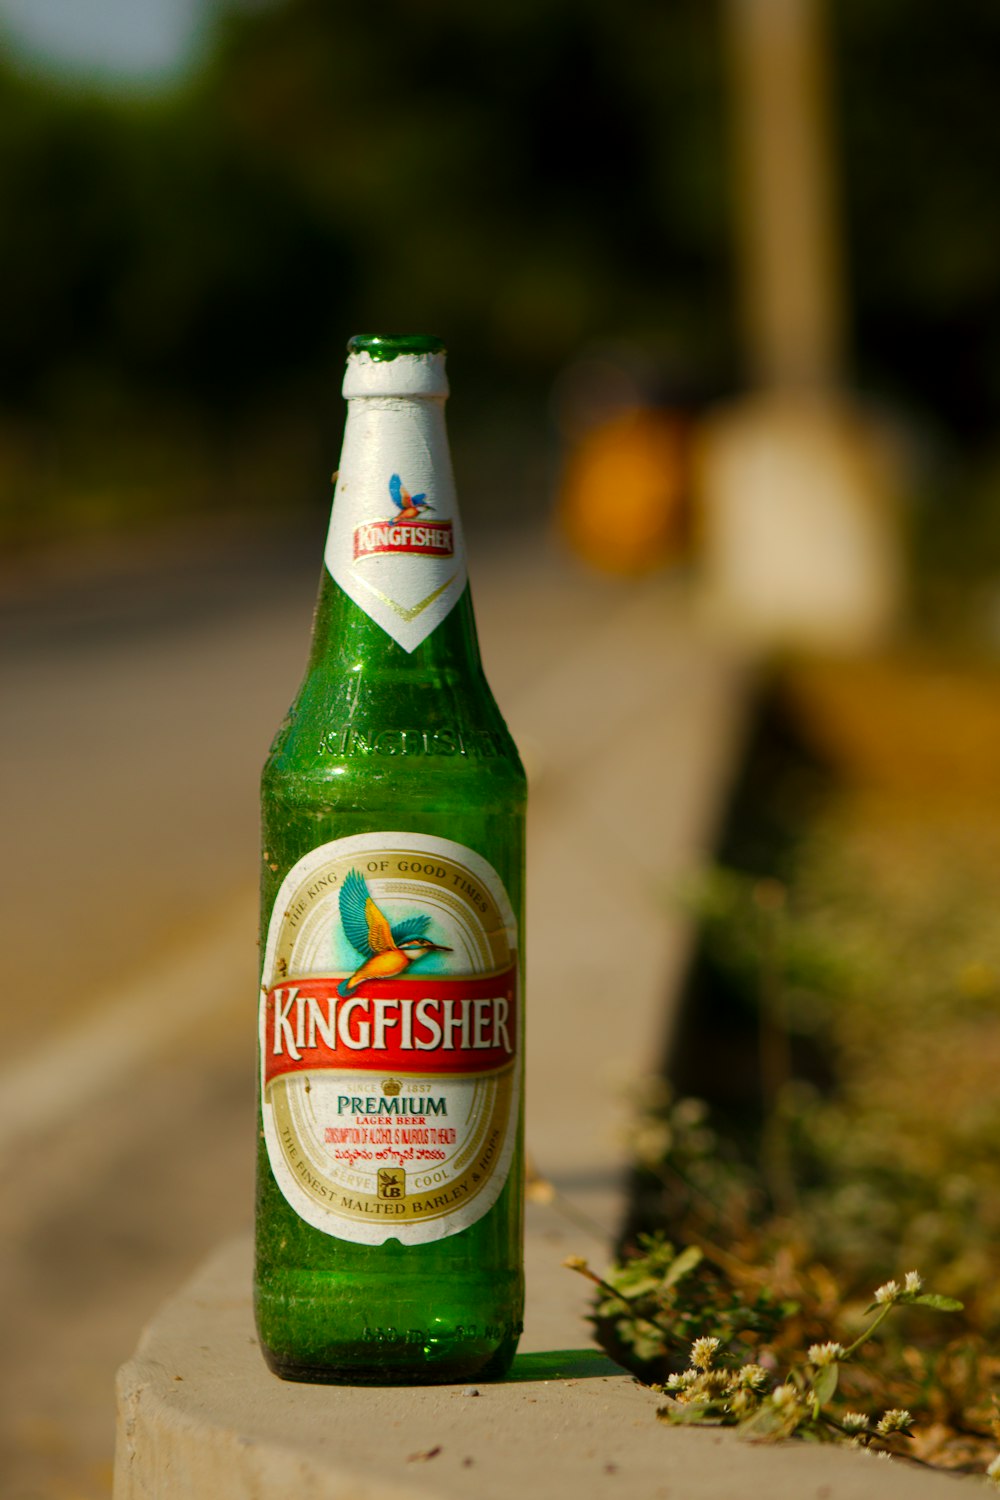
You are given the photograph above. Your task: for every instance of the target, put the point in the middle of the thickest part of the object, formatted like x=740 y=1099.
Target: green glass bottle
x=390 y=1178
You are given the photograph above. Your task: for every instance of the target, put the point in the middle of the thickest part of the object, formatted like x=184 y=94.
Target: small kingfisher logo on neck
x=409 y=506
x=410 y=529
x=386 y=950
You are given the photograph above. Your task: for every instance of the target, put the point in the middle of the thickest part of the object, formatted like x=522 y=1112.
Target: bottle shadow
x=563 y=1364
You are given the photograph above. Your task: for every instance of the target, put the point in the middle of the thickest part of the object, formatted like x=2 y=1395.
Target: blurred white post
x=796 y=489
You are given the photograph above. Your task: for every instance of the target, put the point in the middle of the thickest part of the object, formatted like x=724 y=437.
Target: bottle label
x=390 y=1038
x=395 y=542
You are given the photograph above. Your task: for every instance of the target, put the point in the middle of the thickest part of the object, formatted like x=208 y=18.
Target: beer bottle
x=390 y=1166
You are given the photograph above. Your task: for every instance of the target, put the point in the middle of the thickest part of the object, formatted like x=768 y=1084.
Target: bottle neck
x=395 y=587
x=346 y=640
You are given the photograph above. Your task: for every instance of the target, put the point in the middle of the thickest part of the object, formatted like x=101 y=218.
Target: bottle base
x=365 y=1365
x=388 y=1328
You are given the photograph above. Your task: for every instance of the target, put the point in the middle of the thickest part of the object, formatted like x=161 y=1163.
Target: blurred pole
x=795 y=486
x=790 y=266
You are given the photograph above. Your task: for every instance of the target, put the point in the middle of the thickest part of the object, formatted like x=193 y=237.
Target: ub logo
x=391 y=1182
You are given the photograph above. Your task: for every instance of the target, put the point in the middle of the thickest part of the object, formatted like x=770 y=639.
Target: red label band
x=431 y=1026
x=425 y=539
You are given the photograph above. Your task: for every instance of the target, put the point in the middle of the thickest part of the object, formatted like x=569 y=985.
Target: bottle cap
x=395 y=364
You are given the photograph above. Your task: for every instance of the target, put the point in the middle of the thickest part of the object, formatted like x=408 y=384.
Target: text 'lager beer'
x=391 y=1012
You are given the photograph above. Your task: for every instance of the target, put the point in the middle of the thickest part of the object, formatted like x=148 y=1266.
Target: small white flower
x=703 y=1352
x=897 y=1419
x=681 y=1382
x=689 y=1112
x=888 y=1292
x=825 y=1354
x=751 y=1377
x=652 y=1142
x=743 y=1402
x=854 y=1421
x=784 y=1395
x=993 y=1472
x=914 y=1282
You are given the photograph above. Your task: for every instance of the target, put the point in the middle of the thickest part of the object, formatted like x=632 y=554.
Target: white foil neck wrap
x=395 y=542
x=405 y=375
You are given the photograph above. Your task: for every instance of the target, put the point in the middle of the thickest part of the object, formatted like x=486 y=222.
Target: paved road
x=141 y=695
x=139 y=692
x=140 y=704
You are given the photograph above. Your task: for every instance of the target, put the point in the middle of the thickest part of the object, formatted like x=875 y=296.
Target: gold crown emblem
x=391 y=1086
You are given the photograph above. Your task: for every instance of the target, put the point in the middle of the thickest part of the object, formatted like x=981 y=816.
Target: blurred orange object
x=623 y=499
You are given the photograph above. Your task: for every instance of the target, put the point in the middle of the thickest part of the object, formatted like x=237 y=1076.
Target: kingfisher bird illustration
x=409 y=506
x=387 y=951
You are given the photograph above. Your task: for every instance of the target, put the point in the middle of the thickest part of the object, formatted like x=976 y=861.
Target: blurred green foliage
x=920 y=136
x=181 y=270
x=186 y=268
x=841 y=1037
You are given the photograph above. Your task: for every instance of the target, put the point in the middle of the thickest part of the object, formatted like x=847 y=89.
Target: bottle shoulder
x=370 y=712
x=413 y=731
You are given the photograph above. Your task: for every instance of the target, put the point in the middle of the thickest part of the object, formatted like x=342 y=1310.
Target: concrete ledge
x=201 y=1418
x=633 y=730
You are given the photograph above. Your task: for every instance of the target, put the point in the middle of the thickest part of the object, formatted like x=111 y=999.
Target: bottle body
x=389 y=1170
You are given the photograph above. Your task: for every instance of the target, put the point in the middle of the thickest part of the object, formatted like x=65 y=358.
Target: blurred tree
x=521 y=179
x=143 y=247
x=526 y=179
x=921 y=140
x=505 y=173
x=522 y=173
